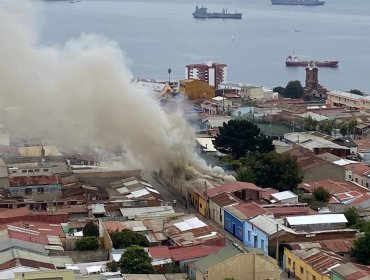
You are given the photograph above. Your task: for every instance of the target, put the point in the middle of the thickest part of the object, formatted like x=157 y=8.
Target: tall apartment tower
x=211 y=73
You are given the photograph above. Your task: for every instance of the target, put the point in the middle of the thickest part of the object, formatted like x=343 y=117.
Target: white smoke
x=81 y=94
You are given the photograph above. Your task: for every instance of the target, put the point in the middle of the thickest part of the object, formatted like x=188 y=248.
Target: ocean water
x=159 y=34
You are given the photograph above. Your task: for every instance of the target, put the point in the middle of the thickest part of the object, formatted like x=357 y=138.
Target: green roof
x=207 y=262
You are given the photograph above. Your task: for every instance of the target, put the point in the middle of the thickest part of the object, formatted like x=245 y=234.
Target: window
x=24 y=171
x=37 y=170
x=356 y=179
x=249 y=235
x=289 y=261
x=28 y=191
x=14 y=171
x=46 y=170
x=200 y=205
x=40 y=190
x=262 y=244
x=313 y=277
x=302 y=270
x=367 y=185
x=30 y=171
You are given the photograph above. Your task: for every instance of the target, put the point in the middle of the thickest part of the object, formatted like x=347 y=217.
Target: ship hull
x=297 y=3
x=224 y=16
x=332 y=63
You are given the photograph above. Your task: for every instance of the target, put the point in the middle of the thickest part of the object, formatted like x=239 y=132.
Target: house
x=311 y=263
x=315 y=168
x=217 y=204
x=214 y=122
x=358 y=173
x=230 y=262
x=316 y=222
x=284 y=197
x=349 y=271
x=316 y=144
x=348 y=100
x=236 y=215
x=363 y=147
x=196 y=89
x=348 y=142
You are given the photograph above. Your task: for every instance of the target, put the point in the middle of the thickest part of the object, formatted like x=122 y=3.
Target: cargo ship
x=203 y=13
x=293 y=60
x=298 y=2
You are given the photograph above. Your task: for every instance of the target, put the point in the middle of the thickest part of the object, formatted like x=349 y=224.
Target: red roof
x=159 y=252
x=291 y=211
x=232 y=187
x=13 y=213
x=358 y=168
x=113 y=226
x=306 y=159
x=250 y=209
x=192 y=252
x=32 y=180
x=44 y=229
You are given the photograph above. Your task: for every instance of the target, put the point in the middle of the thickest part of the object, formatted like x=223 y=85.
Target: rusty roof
x=358 y=168
x=246 y=211
x=306 y=159
x=338 y=246
x=232 y=187
x=223 y=199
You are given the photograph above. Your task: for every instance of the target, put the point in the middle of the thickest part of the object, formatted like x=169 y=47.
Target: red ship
x=293 y=60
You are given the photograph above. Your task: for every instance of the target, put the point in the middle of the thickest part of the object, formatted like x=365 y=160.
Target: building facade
x=211 y=73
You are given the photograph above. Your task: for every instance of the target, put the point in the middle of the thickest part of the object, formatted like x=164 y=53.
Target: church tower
x=312 y=79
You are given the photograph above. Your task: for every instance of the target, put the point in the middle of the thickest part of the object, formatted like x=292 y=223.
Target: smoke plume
x=81 y=94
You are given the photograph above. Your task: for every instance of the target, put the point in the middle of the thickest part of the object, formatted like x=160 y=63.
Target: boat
x=298 y=2
x=203 y=13
x=293 y=60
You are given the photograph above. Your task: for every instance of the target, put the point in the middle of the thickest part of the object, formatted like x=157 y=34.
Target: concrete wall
x=243 y=266
x=254 y=237
x=324 y=171
x=233 y=225
x=216 y=213
x=104 y=178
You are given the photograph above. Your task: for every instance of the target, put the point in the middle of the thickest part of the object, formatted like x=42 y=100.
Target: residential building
x=314 y=168
x=358 y=173
x=230 y=262
x=217 y=204
x=312 y=264
x=316 y=222
x=348 y=142
x=349 y=271
x=247 y=91
x=196 y=90
x=211 y=73
x=284 y=197
x=348 y=100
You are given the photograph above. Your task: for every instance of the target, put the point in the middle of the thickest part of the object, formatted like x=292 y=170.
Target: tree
x=326 y=126
x=321 y=194
x=351 y=126
x=356 y=91
x=310 y=124
x=126 y=238
x=91 y=229
x=279 y=90
x=361 y=249
x=343 y=129
x=272 y=170
x=240 y=137
x=352 y=216
x=112 y=266
x=87 y=243
x=246 y=175
x=294 y=90
x=135 y=261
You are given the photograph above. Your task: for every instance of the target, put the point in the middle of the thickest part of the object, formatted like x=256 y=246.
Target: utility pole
x=169 y=76
x=277 y=244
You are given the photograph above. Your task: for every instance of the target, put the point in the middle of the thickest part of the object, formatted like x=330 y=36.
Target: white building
x=212 y=73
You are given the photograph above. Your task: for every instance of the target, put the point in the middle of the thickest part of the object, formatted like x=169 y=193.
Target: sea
x=157 y=35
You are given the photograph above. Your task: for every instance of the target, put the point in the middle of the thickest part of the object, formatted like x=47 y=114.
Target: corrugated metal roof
x=283 y=195
x=98 y=208
x=161 y=211
x=316 y=219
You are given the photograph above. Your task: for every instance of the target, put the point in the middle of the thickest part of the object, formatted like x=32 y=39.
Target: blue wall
x=254 y=237
x=233 y=225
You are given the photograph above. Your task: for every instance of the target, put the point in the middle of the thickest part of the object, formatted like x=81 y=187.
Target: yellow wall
x=202 y=206
x=196 y=89
x=296 y=264
x=244 y=266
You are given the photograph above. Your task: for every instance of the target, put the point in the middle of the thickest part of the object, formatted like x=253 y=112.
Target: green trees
x=87 y=243
x=280 y=171
x=240 y=137
x=126 y=238
x=91 y=229
x=135 y=261
x=361 y=249
x=294 y=90
x=352 y=216
x=326 y=126
x=279 y=90
x=321 y=194
x=356 y=91
x=310 y=124
x=343 y=129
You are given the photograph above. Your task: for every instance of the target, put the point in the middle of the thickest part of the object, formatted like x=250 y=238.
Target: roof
x=284 y=195
x=98 y=208
x=342 y=162
x=159 y=252
x=192 y=252
x=232 y=187
x=268 y=225
x=15 y=212
x=319 y=260
x=223 y=255
x=363 y=144
x=316 y=219
x=338 y=246
x=246 y=211
x=207 y=144
x=351 y=272
x=310 y=141
x=223 y=199
x=306 y=159
x=284 y=211
x=329 y=157
x=358 y=168
x=346 y=141
x=158 y=211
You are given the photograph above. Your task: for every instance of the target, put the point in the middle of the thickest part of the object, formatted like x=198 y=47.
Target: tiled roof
x=232 y=187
